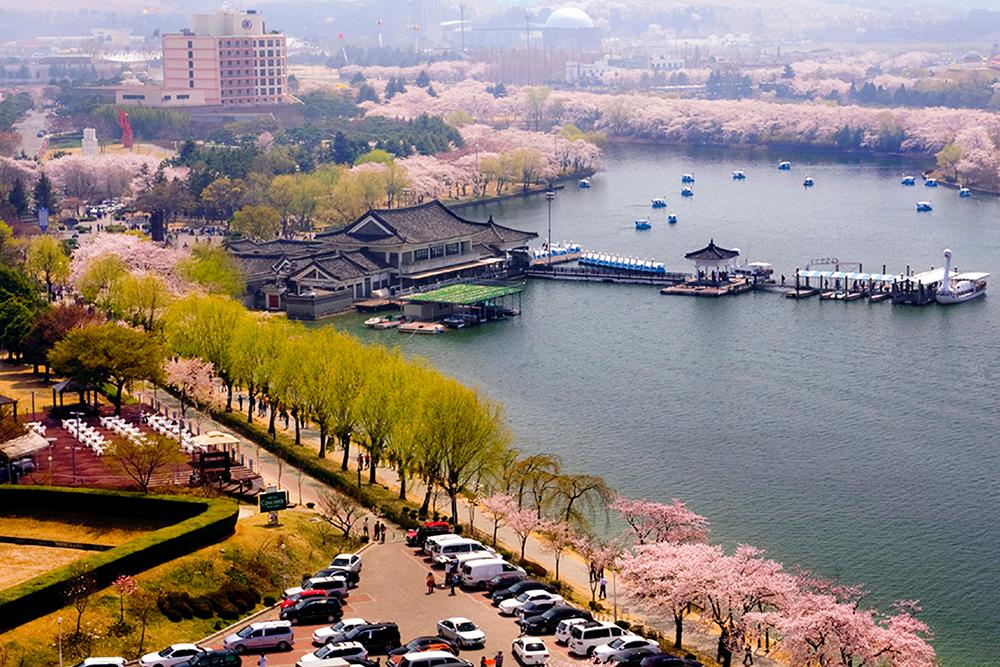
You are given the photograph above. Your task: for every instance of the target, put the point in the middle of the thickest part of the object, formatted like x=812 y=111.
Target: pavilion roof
x=712 y=252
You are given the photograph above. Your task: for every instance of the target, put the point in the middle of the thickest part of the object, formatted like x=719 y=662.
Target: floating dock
x=595 y=275
x=707 y=289
x=556 y=259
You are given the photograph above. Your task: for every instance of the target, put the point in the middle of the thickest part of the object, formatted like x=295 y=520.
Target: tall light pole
x=549 y=196
x=73 y=445
x=59 y=624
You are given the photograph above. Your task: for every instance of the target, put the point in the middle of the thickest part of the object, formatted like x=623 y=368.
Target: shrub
x=310 y=505
x=624 y=625
x=201 y=608
x=270 y=601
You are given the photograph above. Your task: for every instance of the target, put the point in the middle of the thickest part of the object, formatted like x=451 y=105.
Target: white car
x=175 y=654
x=530 y=651
x=510 y=607
x=623 y=647
x=101 y=662
x=326 y=655
x=562 y=630
x=350 y=562
x=462 y=631
x=337 y=631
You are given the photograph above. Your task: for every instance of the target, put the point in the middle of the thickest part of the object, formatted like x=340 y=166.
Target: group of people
x=452 y=578
x=377 y=533
x=597 y=577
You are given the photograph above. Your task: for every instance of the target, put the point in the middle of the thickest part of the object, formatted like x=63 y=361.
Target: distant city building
x=571 y=29
x=605 y=69
x=227 y=58
x=89 y=145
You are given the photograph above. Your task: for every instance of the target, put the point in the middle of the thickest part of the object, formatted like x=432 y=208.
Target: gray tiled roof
x=712 y=252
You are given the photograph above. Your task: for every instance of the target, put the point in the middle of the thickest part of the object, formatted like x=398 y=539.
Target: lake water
x=856 y=440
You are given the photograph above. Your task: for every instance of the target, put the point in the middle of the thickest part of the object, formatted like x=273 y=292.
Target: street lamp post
x=59 y=624
x=73 y=445
x=549 y=196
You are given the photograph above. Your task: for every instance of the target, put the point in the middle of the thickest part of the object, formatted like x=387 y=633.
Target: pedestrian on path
x=748 y=656
x=364 y=529
x=454 y=582
x=482 y=661
x=603 y=593
x=430 y=583
x=498 y=659
x=382 y=534
x=240 y=399
x=262 y=661
x=376 y=530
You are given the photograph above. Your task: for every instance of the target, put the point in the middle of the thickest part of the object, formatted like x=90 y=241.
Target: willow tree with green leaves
x=100 y=283
x=213 y=269
x=351 y=364
x=403 y=445
x=380 y=403
x=288 y=387
x=142 y=300
x=468 y=433
x=47 y=261
x=257 y=352
x=205 y=326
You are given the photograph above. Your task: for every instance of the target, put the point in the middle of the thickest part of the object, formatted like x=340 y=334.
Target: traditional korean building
x=385 y=251
x=713 y=263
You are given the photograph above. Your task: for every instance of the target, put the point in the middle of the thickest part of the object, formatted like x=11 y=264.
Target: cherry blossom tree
x=498 y=506
x=524 y=521
x=557 y=538
x=194 y=380
x=600 y=555
x=656 y=522
x=139 y=255
x=667 y=579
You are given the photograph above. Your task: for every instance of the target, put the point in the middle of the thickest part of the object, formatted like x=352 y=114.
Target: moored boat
x=808 y=182
x=372 y=321
x=785 y=165
x=658 y=202
x=687 y=178
x=960 y=287
x=739 y=175
x=964 y=192
x=931 y=182
x=924 y=206
x=672 y=218
x=687 y=192
x=908 y=180
x=642 y=224
x=583 y=183
x=390 y=322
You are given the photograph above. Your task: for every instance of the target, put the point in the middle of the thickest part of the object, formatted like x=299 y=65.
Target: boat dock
x=556 y=259
x=700 y=288
x=598 y=275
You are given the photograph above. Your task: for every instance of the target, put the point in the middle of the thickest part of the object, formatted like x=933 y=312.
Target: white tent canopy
x=216 y=439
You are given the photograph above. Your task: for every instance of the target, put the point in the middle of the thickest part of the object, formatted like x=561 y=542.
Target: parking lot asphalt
x=392 y=588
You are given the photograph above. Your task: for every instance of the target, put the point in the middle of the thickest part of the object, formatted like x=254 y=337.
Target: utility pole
x=549 y=196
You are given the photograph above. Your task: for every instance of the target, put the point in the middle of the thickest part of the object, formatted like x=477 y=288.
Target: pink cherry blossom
x=656 y=522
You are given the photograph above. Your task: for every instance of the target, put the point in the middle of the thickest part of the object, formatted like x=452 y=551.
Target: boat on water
x=557 y=250
x=785 y=165
x=960 y=287
x=659 y=202
x=931 y=182
x=908 y=180
x=672 y=218
x=687 y=178
x=460 y=321
x=425 y=328
x=642 y=224
x=386 y=322
x=738 y=175
x=924 y=206
x=808 y=182
x=687 y=192
x=964 y=192
x=606 y=261
x=583 y=183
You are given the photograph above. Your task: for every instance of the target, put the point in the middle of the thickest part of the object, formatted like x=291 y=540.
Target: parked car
x=536 y=607
x=505 y=580
x=350 y=562
x=516 y=589
x=668 y=660
x=334 y=587
x=315 y=610
x=624 y=647
x=462 y=631
x=175 y=654
x=458 y=560
x=262 y=636
x=423 y=643
x=583 y=639
x=336 y=632
x=223 y=658
x=431 y=659
x=510 y=607
x=342 y=650
x=415 y=538
x=101 y=662
x=563 y=628
x=330 y=571
x=432 y=543
x=530 y=651
x=547 y=622
x=291 y=600
x=377 y=638
x=449 y=550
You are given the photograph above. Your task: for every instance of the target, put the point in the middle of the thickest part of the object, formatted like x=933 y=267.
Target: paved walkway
x=572 y=569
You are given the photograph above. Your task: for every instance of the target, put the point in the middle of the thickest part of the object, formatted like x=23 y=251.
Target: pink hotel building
x=226 y=58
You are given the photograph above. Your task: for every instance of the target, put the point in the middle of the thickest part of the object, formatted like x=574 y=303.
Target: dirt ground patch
x=18 y=382
x=24 y=562
x=70 y=527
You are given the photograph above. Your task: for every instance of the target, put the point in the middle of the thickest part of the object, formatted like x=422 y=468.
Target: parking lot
x=392 y=588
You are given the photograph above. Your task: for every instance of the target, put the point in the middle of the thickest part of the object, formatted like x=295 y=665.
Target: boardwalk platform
x=713 y=291
x=375 y=305
x=592 y=275
x=556 y=259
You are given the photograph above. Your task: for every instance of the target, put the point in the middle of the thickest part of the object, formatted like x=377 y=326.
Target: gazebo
x=713 y=263
x=70 y=386
x=4 y=402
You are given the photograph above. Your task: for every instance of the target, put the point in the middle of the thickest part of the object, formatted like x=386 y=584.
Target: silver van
x=261 y=636
x=475 y=573
x=583 y=639
x=447 y=551
x=432 y=543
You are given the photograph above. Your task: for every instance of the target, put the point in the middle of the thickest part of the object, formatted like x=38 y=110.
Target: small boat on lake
x=908 y=180
x=785 y=165
x=659 y=202
x=808 y=182
x=924 y=206
x=739 y=175
x=583 y=183
x=389 y=322
x=672 y=218
x=931 y=182
x=687 y=192
x=687 y=178
x=964 y=192
x=960 y=287
x=642 y=224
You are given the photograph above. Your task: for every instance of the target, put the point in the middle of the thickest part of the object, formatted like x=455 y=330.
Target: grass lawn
x=21 y=563
x=75 y=527
x=267 y=559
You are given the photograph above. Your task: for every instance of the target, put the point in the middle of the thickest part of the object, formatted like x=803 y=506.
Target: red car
x=304 y=595
x=415 y=538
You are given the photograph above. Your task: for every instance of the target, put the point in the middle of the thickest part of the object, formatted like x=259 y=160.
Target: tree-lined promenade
x=165 y=316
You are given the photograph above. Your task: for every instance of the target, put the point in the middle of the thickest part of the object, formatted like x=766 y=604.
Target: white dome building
x=570 y=28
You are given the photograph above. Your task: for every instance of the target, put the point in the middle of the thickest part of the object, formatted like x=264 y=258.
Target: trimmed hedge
x=200 y=522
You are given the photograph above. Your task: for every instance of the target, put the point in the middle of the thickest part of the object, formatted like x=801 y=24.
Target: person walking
x=382 y=534
x=430 y=583
x=498 y=659
x=364 y=529
x=454 y=581
x=262 y=661
x=603 y=591
x=377 y=530
x=482 y=661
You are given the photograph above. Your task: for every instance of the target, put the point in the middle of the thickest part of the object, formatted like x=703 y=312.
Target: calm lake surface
x=856 y=440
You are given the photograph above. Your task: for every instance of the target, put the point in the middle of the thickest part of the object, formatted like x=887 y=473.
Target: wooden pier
x=375 y=305
x=542 y=262
x=594 y=275
x=696 y=288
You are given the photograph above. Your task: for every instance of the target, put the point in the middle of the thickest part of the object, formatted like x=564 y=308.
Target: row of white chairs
x=36 y=427
x=86 y=434
x=121 y=427
x=171 y=429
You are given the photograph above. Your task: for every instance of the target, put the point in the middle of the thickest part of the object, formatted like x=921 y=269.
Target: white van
x=432 y=542
x=447 y=551
x=583 y=639
x=432 y=659
x=260 y=636
x=475 y=573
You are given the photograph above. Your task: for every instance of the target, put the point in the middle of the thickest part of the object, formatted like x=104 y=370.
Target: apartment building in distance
x=227 y=58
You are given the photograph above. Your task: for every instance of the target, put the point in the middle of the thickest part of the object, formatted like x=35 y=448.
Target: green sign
x=272 y=501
